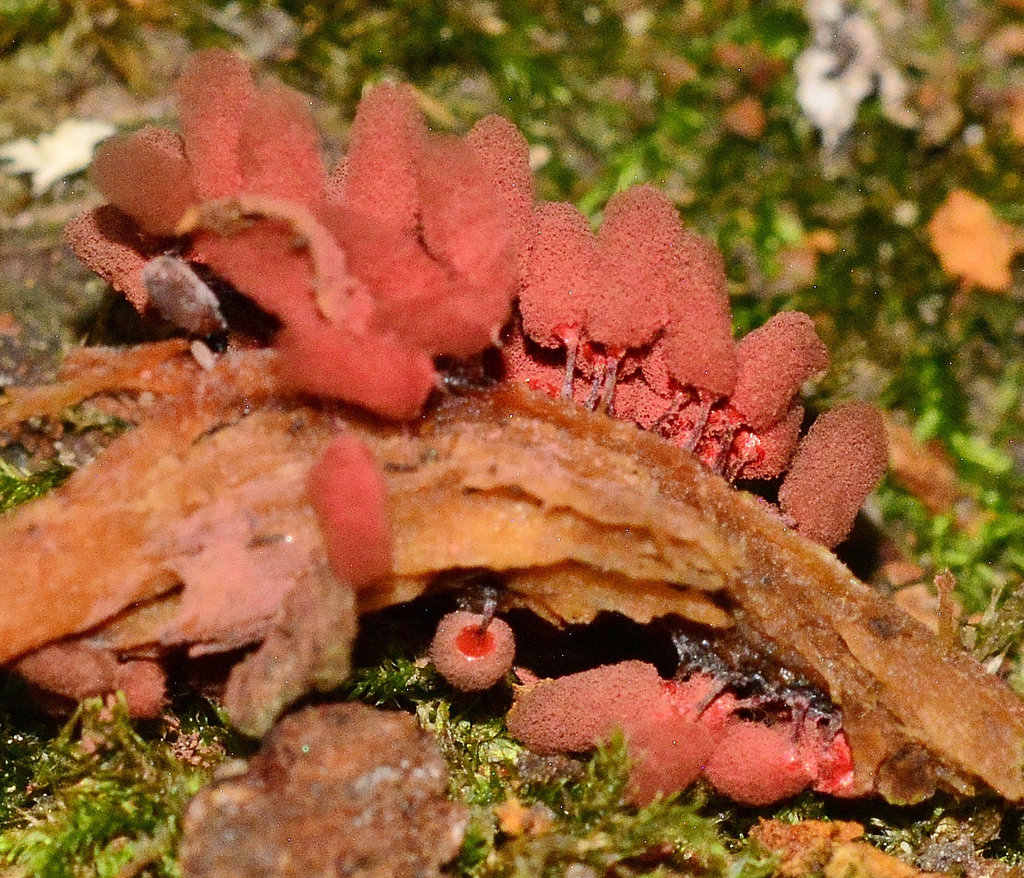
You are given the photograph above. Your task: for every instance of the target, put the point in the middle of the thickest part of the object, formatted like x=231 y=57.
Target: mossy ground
x=607 y=93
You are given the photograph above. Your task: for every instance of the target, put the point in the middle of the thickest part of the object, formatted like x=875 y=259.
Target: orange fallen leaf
x=923 y=468
x=745 y=118
x=972 y=243
x=8 y=325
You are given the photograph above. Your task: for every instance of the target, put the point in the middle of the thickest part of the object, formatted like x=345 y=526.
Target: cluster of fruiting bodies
x=635 y=320
x=756 y=749
x=419 y=246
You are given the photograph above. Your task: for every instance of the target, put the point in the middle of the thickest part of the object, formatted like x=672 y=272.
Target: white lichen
x=66 y=150
x=843 y=66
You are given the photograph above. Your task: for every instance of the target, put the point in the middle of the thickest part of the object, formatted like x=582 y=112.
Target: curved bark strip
x=903 y=699
x=191 y=529
x=195 y=499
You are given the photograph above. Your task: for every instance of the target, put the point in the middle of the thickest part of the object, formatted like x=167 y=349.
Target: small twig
x=949 y=612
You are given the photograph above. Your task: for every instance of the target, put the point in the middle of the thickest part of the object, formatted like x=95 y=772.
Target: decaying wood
x=190 y=530
x=88 y=371
x=307 y=649
x=903 y=700
x=335 y=789
x=578 y=527
x=577 y=512
x=177 y=500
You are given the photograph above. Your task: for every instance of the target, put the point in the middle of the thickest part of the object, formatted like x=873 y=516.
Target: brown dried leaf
x=923 y=469
x=829 y=848
x=745 y=117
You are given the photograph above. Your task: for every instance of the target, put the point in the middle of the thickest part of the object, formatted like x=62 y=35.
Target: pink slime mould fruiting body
x=679 y=730
x=635 y=320
x=418 y=245
x=472 y=651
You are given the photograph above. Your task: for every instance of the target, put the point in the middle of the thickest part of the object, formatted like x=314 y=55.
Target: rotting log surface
x=901 y=696
x=578 y=512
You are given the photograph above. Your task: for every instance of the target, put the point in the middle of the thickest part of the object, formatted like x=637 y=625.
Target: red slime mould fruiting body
x=558 y=279
x=403 y=253
x=573 y=713
x=761 y=762
x=639 y=267
x=109 y=243
x=679 y=730
x=837 y=464
x=773 y=363
x=472 y=651
x=416 y=246
x=635 y=320
x=213 y=93
x=159 y=188
x=672 y=737
x=349 y=496
x=75 y=670
x=379 y=178
x=419 y=245
x=505 y=155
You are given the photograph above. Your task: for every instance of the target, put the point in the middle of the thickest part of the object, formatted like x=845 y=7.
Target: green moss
x=394 y=681
x=99 y=798
x=582 y=820
x=469 y=728
x=27 y=20
x=947 y=828
x=23 y=738
x=985 y=555
x=18 y=486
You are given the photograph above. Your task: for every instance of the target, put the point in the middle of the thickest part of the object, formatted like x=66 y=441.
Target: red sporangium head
x=472 y=651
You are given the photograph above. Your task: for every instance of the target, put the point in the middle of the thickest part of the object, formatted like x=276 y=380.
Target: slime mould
x=163 y=541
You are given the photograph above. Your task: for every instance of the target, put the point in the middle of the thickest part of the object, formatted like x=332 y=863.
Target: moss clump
x=579 y=822
x=18 y=486
x=470 y=729
x=100 y=799
x=23 y=737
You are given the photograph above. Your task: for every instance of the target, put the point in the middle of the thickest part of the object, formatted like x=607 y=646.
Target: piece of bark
x=307 y=649
x=338 y=789
x=90 y=371
x=833 y=849
x=904 y=701
x=555 y=593
x=526 y=483
x=181 y=499
x=531 y=488
x=207 y=506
